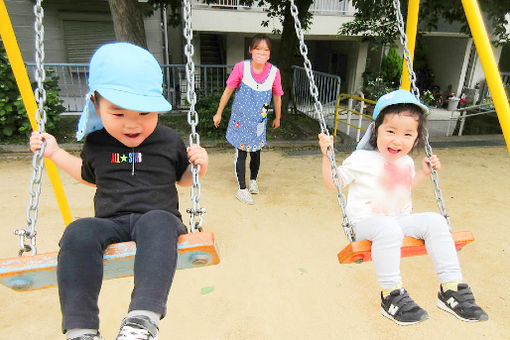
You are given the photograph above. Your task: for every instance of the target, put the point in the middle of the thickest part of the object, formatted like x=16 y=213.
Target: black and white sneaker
x=461 y=303
x=138 y=327
x=399 y=307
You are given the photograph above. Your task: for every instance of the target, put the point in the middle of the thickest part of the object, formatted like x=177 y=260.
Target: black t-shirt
x=134 y=180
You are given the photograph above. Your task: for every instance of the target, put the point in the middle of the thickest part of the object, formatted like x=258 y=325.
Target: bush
x=206 y=108
x=376 y=87
x=13 y=115
x=391 y=67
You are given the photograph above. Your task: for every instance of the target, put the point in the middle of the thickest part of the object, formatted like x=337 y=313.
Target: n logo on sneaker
x=393 y=310
x=452 y=302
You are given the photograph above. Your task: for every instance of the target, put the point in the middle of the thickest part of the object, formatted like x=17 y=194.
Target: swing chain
x=407 y=52
x=196 y=212
x=303 y=49
x=27 y=236
x=434 y=175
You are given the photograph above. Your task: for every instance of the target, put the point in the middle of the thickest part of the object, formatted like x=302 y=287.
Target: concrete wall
x=446 y=59
x=22 y=19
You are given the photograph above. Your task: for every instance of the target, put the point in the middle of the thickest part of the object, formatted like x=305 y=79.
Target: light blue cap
x=126 y=75
x=392 y=98
x=397 y=97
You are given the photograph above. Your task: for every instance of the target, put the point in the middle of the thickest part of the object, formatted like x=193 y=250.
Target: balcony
x=230 y=16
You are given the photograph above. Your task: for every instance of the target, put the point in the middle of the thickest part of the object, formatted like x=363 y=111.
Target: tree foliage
x=376 y=20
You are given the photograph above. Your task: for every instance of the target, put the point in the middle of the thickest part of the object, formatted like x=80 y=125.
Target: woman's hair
x=255 y=41
x=410 y=110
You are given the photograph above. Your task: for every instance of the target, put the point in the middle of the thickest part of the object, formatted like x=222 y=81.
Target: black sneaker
x=399 y=307
x=461 y=303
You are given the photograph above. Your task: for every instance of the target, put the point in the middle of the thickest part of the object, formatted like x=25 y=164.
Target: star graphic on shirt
x=123 y=158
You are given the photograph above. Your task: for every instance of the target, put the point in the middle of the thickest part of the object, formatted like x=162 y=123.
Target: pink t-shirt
x=235 y=78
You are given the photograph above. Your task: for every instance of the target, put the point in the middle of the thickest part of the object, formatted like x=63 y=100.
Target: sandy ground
x=279 y=277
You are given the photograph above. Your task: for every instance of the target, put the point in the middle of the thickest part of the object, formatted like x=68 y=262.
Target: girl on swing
x=380 y=175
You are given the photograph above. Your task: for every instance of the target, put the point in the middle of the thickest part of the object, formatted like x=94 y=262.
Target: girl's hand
x=276 y=123
x=36 y=140
x=434 y=162
x=198 y=156
x=216 y=119
x=325 y=141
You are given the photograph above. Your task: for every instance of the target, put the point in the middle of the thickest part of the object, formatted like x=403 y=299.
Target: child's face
x=396 y=135
x=260 y=53
x=129 y=127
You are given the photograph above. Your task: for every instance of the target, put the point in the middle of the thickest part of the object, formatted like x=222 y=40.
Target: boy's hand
x=198 y=156
x=276 y=123
x=325 y=141
x=216 y=119
x=434 y=162
x=36 y=140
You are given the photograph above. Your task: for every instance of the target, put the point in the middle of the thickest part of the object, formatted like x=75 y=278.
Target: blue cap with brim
x=397 y=97
x=126 y=75
x=392 y=98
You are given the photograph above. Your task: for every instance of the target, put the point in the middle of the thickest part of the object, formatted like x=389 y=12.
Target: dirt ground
x=279 y=277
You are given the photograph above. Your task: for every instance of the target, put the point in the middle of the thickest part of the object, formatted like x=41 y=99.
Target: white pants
x=386 y=234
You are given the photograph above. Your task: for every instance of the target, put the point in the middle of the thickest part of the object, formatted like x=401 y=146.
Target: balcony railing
x=317 y=7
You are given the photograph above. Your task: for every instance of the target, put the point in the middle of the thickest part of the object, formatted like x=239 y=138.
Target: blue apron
x=247 y=126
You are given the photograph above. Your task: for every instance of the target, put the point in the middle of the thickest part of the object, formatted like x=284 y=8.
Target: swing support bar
x=27 y=95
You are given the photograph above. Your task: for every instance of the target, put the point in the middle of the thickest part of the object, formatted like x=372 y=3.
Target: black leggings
x=240 y=166
x=80 y=263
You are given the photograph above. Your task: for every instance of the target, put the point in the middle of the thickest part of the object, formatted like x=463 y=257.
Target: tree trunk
x=289 y=46
x=128 y=21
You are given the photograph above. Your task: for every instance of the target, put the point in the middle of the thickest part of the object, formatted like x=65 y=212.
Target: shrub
x=13 y=116
x=206 y=108
x=391 y=67
x=375 y=88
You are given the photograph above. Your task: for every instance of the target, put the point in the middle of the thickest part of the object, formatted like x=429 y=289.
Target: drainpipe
x=164 y=23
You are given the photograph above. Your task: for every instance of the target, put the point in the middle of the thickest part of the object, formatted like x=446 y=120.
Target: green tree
x=376 y=20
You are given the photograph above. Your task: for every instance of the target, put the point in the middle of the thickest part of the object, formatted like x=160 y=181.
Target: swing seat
x=36 y=272
x=359 y=251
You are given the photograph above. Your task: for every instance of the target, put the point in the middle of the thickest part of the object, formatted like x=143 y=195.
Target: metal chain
x=196 y=213
x=434 y=175
x=27 y=239
x=407 y=53
x=303 y=49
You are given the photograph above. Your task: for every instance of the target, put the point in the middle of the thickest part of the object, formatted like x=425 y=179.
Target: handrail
x=360 y=114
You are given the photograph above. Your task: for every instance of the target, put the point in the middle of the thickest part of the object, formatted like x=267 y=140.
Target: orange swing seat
x=359 y=251
x=23 y=273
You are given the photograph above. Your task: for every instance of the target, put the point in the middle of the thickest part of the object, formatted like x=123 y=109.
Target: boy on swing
x=134 y=164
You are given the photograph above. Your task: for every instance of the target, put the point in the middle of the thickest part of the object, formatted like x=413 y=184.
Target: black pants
x=80 y=263
x=240 y=166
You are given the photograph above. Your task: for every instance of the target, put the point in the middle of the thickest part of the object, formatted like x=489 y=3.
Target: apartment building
x=222 y=31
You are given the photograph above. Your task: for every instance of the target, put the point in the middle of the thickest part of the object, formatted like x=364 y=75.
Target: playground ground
x=279 y=277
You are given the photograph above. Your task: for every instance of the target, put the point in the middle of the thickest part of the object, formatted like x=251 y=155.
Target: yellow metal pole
x=489 y=65
x=411 y=28
x=25 y=88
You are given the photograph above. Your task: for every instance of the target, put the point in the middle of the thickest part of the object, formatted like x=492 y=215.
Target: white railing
x=329 y=89
x=317 y=7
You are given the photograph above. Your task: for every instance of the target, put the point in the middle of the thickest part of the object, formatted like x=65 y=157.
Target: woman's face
x=260 y=54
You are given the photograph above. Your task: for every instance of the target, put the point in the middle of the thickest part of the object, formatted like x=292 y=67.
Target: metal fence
x=334 y=7
x=72 y=81
x=484 y=93
x=209 y=79
x=329 y=89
